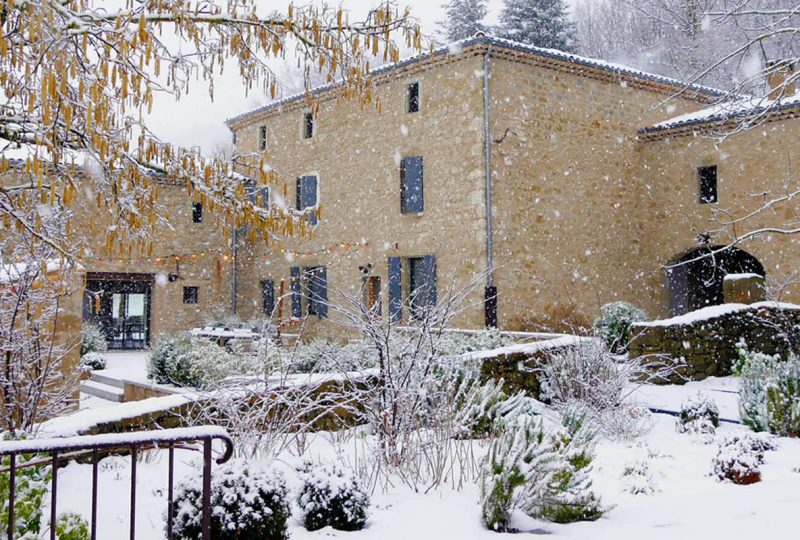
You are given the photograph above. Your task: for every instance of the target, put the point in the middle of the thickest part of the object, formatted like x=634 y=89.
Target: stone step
x=103 y=391
x=105 y=379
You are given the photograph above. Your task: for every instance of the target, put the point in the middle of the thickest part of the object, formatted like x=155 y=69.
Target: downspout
x=490 y=296
x=235 y=259
x=487 y=141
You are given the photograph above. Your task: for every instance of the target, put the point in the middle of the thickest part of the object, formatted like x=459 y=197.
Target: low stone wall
x=517 y=365
x=138 y=391
x=706 y=339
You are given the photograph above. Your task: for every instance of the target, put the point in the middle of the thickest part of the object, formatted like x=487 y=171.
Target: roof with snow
x=694 y=91
x=722 y=113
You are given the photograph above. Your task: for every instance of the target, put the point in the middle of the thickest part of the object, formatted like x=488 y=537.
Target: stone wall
x=707 y=339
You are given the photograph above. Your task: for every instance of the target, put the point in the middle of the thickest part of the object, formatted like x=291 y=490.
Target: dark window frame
x=413 y=102
x=197 y=212
x=309 y=126
x=191 y=294
x=262 y=137
x=708 y=180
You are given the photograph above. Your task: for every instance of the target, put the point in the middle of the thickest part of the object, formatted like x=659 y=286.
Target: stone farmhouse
x=542 y=183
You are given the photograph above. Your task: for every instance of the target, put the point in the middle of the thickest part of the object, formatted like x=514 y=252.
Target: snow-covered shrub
x=331 y=497
x=698 y=415
x=546 y=475
x=625 y=422
x=614 y=324
x=92 y=338
x=454 y=343
x=314 y=356
x=184 y=360
x=639 y=478
x=739 y=457
x=586 y=372
x=93 y=360
x=245 y=505
x=769 y=393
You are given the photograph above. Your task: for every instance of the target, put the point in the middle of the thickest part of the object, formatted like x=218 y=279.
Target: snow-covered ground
x=126 y=365
x=686 y=502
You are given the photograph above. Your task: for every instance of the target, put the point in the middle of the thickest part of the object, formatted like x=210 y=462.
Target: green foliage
x=614 y=324
x=72 y=527
x=329 y=497
x=769 y=394
x=32 y=487
x=92 y=339
x=184 y=360
x=245 y=506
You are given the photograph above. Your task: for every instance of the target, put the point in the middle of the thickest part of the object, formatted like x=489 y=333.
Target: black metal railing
x=95 y=446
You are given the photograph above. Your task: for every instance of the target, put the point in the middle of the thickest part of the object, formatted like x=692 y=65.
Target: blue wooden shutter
x=309 y=196
x=429 y=271
x=265 y=197
x=294 y=286
x=268 y=296
x=320 y=291
x=411 y=185
x=395 y=289
x=298 y=193
x=251 y=193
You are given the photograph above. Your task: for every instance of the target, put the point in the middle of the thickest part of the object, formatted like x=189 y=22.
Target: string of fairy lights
x=221 y=254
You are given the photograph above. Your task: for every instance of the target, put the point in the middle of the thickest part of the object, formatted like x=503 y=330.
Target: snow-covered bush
x=93 y=360
x=92 y=338
x=698 y=415
x=331 y=497
x=245 y=505
x=769 y=393
x=454 y=343
x=184 y=360
x=614 y=324
x=586 y=372
x=739 y=457
x=314 y=356
x=639 y=478
x=546 y=475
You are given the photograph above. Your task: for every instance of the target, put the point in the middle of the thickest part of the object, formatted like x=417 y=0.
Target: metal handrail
x=70 y=448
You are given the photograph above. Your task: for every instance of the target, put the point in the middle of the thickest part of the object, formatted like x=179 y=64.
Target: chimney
x=778 y=75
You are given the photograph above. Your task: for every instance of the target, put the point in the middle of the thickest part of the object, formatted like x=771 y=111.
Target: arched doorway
x=695 y=279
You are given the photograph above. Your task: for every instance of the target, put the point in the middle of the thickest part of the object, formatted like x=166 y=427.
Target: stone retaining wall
x=707 y=339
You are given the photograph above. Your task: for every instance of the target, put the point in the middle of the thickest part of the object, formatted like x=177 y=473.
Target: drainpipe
x=490 y=297
x=235 y=254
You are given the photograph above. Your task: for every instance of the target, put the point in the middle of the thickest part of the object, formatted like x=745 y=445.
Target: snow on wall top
x=713 y=312
x=737 y=277
x=457 y=46
x=726 y=111
x=527 y=348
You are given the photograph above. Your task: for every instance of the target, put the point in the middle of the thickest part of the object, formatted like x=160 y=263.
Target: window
x=259 y=196
x=308 y=125
x=371 y=286
x=306 y=196
x=197 y=213
x=262 y=137
x=191 y=295
x=268 y=296
x=708 y=184
x=411 y=185
x=309 y=289
x=412 y=97
x=418 y=290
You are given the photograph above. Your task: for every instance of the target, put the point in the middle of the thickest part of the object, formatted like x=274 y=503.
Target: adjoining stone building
x=559 y=183
x=560 y=179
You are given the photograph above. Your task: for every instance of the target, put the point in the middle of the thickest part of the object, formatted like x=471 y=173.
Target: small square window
x=412 y=97
x=308 y=125
x=197 y=213
x=191 y=295
x=262 y=138
x=708 y=184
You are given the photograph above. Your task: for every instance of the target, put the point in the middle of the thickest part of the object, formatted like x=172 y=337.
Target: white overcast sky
x=197 y=121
